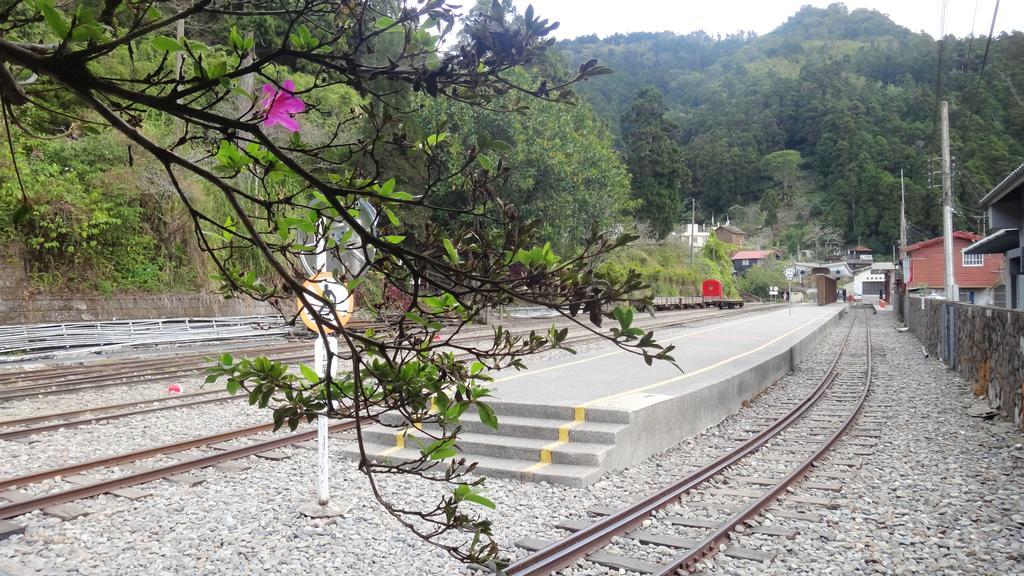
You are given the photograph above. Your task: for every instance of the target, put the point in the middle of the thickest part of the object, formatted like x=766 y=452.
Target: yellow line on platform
x=617 y=351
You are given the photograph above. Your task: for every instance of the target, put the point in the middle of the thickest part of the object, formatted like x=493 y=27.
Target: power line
x=970 y=43
x=988 y=43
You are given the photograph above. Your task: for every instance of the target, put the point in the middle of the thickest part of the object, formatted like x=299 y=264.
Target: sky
x=607 y=17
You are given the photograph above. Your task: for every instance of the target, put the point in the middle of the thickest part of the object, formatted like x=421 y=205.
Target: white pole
x=322 y=350
x=323 y=461
x=321 y=357
x=947 y=205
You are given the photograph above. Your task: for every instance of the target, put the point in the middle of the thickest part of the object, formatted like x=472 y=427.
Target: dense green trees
x=564 y=171
x=825 y=111
x=660 y=180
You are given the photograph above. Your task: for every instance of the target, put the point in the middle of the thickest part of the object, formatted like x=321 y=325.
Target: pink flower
x=280 y=106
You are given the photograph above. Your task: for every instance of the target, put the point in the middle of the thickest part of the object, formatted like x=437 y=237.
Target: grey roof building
x=1005 y=206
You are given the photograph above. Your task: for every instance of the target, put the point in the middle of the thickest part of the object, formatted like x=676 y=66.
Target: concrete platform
x=569 y=421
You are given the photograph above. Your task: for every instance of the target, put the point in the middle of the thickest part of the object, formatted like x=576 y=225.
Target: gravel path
x=942 y=493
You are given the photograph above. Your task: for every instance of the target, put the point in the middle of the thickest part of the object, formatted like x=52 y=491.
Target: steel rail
x=49 y=473
x=99 y=382
x=165 y=367
x=18 y=508
x=22 y=432
x=709 y=545
x=564 y=552
x=100 y=409
x=144 y=364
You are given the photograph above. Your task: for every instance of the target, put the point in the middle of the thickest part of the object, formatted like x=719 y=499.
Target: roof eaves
x=1011 y=182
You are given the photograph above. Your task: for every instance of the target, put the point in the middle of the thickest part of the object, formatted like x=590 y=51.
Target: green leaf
x=384 y=22
x=309 y=374
x=392 y=239
x=485 y=162
x=487 y=415
x=453 y=255
x=478 y=499
x=54 y=19
x=233 y=386
x=446 y=452
x=435 y=139
x=167 y=44
x=499 y=145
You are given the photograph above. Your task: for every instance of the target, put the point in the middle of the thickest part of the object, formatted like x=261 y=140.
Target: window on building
x=974 y=259
x=746 y=262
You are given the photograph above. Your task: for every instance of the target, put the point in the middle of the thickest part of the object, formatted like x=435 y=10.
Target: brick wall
x=987 y=347
x=19 y=306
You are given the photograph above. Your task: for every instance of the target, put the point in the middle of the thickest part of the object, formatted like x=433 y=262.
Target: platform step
x=531 y=427
x=556 y=473
x=527 y=450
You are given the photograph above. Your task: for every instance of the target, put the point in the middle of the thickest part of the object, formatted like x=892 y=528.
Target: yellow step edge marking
x=399 y=443
x=400 y=436
x=580 y=411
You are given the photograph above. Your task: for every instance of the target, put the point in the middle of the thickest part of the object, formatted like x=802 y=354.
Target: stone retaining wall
x=55 y=309
x=987 y=347
x=20 y=306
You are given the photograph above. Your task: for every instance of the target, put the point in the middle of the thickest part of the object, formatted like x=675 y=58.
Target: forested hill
x=852 y=92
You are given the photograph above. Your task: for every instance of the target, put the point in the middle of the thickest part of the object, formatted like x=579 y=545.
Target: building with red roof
x=744 y=259
x=976 y=275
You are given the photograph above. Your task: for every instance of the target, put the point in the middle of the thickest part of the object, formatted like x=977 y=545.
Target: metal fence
x=20 y=342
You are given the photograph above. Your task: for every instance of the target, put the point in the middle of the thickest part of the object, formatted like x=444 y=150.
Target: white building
x=683 y=234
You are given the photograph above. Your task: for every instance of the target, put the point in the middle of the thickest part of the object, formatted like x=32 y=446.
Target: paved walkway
x=706 y=355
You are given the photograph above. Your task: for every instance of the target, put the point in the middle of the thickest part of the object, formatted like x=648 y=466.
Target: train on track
x=712 y=296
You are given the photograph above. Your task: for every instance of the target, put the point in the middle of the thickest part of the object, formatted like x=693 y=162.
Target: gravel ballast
x=940 y=493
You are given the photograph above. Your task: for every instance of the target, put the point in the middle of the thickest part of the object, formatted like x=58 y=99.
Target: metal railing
x=23 y=341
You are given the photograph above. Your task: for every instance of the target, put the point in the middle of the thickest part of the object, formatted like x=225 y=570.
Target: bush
x=757 y=279
x=88 y=224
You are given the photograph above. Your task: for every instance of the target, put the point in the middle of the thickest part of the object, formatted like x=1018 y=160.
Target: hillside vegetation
x=798 y=136
x=813 y=121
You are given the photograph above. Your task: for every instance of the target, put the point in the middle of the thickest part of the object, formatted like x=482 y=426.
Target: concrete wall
x=986 y=347
x=689 y=414
x=20 y=306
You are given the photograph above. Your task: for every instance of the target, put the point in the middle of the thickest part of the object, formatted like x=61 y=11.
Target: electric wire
x=988 y=42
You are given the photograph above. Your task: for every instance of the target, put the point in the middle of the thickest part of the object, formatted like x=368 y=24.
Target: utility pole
x=693 y=220
x=903 y=217
x=947 y=204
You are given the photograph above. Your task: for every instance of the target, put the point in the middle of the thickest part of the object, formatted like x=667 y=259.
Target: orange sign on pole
x=324 y=284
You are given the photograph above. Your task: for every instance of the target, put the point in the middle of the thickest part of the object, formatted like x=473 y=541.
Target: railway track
x=127 y=373
x=22 y=503
x=797 y=439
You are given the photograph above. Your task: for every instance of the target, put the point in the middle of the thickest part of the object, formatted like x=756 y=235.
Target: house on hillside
x=730 y=234
x=859 y=257
x=745 y=259
x=1005 y=204
x=697 y=233
x=976 y=275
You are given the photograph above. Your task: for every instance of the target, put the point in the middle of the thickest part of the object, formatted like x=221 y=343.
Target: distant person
x=844 y=294
x=881 y=294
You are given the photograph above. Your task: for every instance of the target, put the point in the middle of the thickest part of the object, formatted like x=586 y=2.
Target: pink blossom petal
x=289 y=123
x=280 y=105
